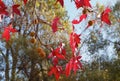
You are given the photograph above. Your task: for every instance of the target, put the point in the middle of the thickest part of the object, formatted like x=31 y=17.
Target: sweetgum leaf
x=15 y=9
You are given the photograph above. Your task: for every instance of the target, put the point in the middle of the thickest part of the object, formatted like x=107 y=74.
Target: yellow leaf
x=37 y=4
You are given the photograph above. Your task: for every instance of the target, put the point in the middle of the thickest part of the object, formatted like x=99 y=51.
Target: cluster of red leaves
x=3 y=11
x=81 y=3
x=85 y=3
x=7 y=31
x=58 y=53
x=3 y=8
x=74 y=64
x=74 y=40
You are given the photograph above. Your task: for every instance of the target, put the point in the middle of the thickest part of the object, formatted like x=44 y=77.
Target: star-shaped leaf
x=56 y=54
x=82 y=3
x=15 y=9
x=105 y=16
x=7 y=31
x=3 y=8
x=55 y=23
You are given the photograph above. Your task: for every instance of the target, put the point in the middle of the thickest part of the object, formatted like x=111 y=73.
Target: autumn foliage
x=57 y=54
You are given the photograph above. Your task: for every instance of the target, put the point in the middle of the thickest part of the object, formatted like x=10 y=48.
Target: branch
x=2 y=53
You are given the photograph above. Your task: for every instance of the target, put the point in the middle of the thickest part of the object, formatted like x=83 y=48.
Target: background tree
x=25 y=54
x=103 y=67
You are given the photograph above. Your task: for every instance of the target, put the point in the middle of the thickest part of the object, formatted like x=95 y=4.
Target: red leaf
x=79 y=3
x=3 y=11
x=25 y=2
x=63 y=52
x=56 y=70
x=58 y=53
x=13 y=30
x=78 y=57
x=105 y=16
x=75 y=22
x=74 y=64
x=75 y=67
x=15 y=9
x=3 y=8
x=82 y=3
x=107 y=10
x=7 y=31
x=57 y=75
x=61 y=2
x=6 y=34
x=87 y=3
x=74 y=41
x=60 y=56
x=68 y=68
x=54 y=24
x=2 y=5
x=55 y=60
x=83 y=16
x=51 y=71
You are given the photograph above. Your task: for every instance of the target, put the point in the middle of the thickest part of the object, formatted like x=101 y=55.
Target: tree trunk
x=7 y=66
x=14 y=64
x=43 y=75
x=13 y=70
x=32 y=76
